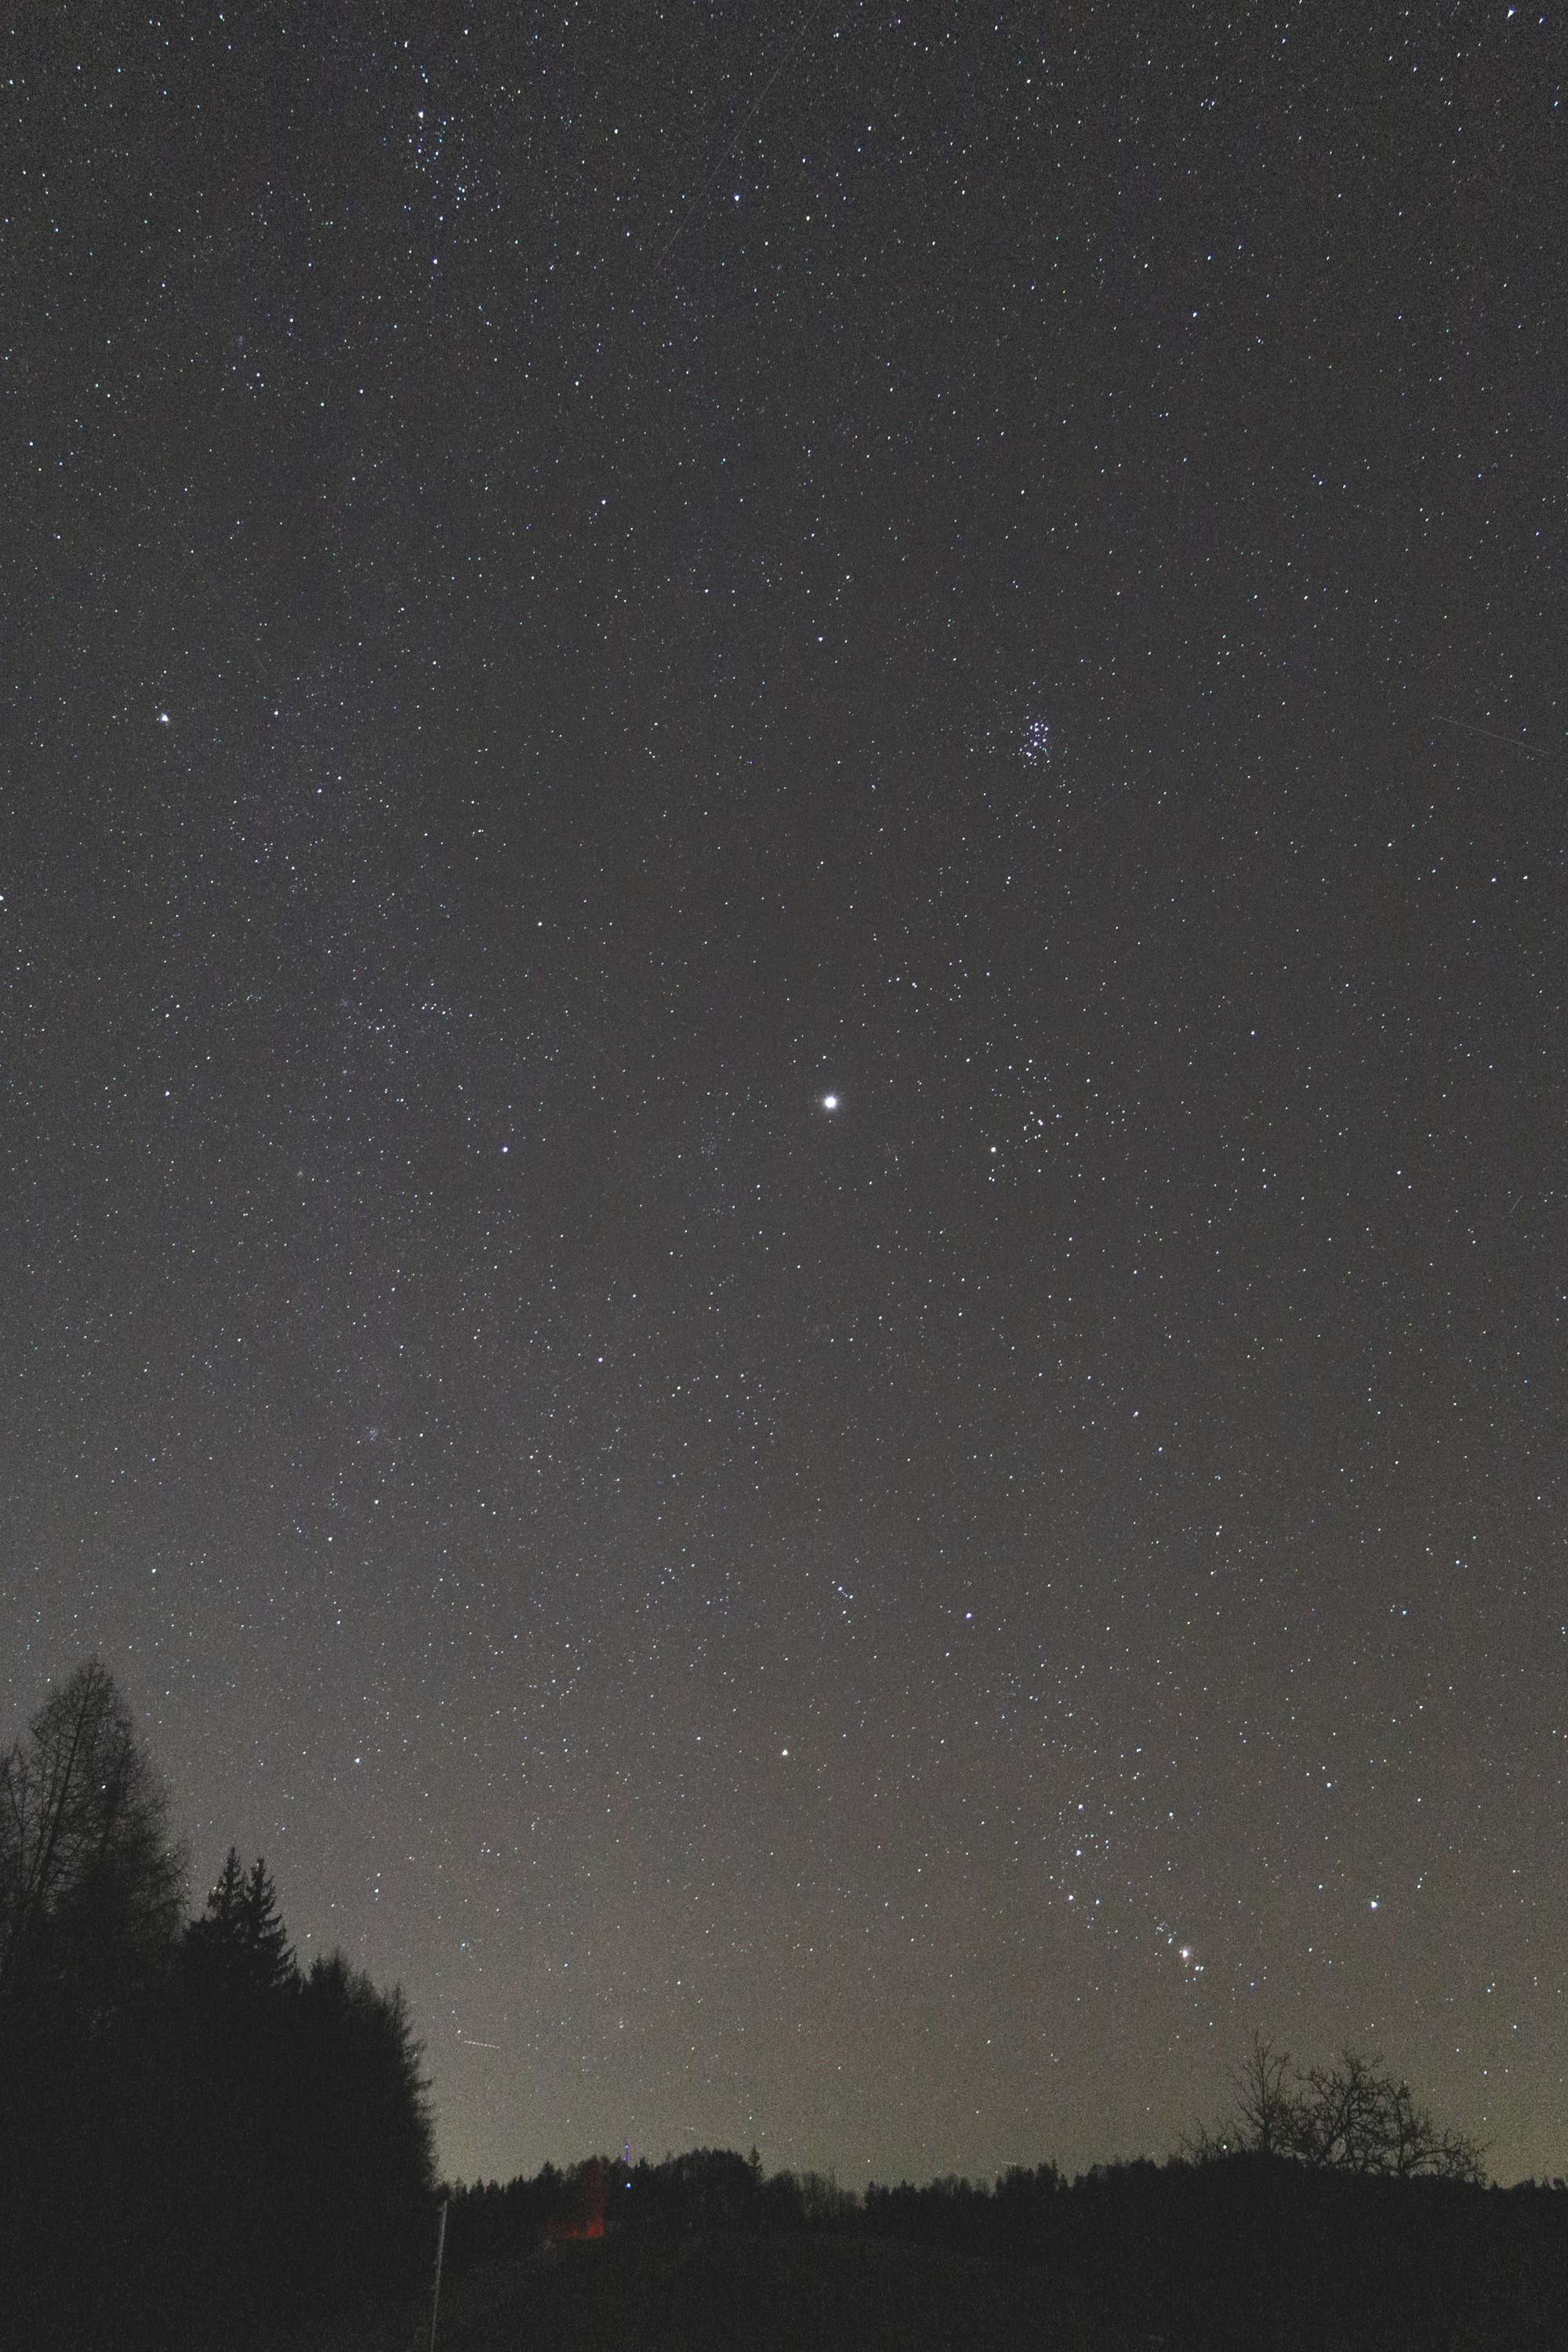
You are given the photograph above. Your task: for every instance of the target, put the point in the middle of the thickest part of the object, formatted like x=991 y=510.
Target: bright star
x=830 y=1102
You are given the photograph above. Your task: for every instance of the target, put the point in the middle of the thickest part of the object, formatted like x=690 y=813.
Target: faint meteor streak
x=1530 y=751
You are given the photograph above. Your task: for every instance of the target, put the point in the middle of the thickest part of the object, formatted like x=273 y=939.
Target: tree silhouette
x=268 y=1958
x=90 y=1897
x=304 y=2100
x=1354 y=2119
x=91 y=1886
x=195 y=2144
x=363 y=2145
x=1348 y=2117
x=1264 y=2101
x=223 y=1903
x=240 y=1942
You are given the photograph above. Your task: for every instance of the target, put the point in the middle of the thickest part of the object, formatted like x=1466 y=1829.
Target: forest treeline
x=198 y=2138
x=203 y=2144
x=1231 y=2248
x=1329 y=2209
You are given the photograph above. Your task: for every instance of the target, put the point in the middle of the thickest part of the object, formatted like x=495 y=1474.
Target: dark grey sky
x=578 y=582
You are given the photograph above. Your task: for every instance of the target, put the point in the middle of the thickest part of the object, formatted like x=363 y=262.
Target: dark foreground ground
x=736 y=2293
x=1252 y=2254
x=750 y=2294
x=842 y=2292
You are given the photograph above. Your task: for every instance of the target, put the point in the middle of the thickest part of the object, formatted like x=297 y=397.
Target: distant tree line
x=198 y=2138
x=1232 y=2249
x=202 y=2145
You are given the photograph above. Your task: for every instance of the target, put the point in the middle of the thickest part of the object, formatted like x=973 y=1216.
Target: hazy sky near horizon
x=782 y=930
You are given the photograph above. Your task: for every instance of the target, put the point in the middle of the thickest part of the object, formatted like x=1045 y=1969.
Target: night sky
x=782 y=1003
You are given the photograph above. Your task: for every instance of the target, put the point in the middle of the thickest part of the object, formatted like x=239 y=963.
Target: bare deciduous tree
x=1263 y=2099
x=86 y=1859
x=1354 y=2117
x=1348 y=2117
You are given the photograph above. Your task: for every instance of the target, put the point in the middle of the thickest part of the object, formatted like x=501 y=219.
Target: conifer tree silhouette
x=196 y=2143
x=240 y=1942
x=270 y=1961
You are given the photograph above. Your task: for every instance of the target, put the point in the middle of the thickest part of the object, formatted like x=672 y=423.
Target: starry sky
x=781 y=920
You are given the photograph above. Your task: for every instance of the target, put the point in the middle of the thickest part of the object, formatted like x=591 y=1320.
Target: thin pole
x=436 y=2291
